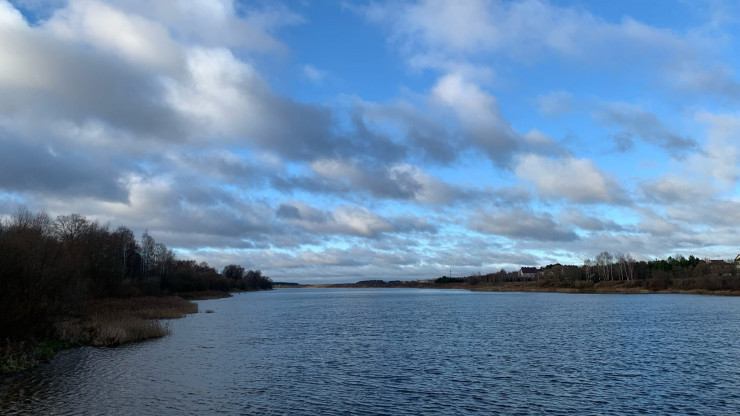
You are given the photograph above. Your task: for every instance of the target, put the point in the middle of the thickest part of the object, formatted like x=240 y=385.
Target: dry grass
x=205 y=295
x=112 y=322
x=147 y=307
x=112 y=330
x=105 y=323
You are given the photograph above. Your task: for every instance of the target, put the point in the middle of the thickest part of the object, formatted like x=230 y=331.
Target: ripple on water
x=389 y=352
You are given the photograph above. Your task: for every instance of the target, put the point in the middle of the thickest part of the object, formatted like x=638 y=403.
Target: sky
x=335 y=141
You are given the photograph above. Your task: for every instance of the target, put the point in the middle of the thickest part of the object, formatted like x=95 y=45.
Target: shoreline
x=533 y=287
x=105 y=323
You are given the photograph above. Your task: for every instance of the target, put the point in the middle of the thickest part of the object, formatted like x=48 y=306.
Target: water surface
x=410 y=351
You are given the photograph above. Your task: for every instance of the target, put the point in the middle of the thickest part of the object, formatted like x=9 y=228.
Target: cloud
x=634 y=122
x=478 y=112
x=44 y=77
x=720 y=158
x=676 y=190
x=462 y=37
x=397 y=181
x=586 y=222
x=27 y=167
x=709 y=79
x=556 y=103
x=656 y=225
x=218 y=23
x=523 y=30
x=577 y=180
x=427 y=138
x=521 y=224
x=351 y=220
x=314 y=74
x=179 y=118
x=108 y=29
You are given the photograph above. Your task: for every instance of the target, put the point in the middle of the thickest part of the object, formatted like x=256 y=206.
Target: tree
x=233 y=272
x=147 y=254
x=605 y=262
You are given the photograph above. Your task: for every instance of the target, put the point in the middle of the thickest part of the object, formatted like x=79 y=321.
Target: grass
x=104 y=323
x=112 y=322
x=204 y=295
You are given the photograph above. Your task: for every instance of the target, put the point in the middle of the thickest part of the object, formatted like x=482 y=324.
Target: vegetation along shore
x=607 y=273
x=71 y=281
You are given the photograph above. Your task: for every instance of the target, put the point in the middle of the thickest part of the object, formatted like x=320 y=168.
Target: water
x=407 y=351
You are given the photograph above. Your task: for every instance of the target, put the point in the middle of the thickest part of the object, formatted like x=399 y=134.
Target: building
x=529 y=272
x=737 y=261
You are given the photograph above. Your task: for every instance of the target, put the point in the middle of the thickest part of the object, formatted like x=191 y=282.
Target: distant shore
x=606 y=287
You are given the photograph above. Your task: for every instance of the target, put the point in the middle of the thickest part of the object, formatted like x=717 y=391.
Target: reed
x=112 y=330
x=117 y=321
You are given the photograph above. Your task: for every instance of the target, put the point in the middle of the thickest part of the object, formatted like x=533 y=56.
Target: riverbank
x=605 y=287
x=611 y=287
x=101 y=323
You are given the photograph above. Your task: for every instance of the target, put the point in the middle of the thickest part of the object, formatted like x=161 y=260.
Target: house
x=737 y=261
x=529 y=272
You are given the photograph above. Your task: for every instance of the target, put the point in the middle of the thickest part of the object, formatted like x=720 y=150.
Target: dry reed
x=117 y=321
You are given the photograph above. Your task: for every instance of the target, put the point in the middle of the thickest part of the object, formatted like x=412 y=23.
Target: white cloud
x=479 y=115
x=525 y=30
x=218 y=87
x=656 y=225
x=351 y=220
x=218 y=23
x=671 y=189
x=107 y=28
x=578 y=180
x=397 y=181
x=10 y=17
x=520 y=224
x=720 y=159
x=635 y=122
x=314 y=74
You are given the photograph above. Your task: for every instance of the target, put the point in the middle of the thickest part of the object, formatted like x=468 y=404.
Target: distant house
x=529 y=272
x=737 y=261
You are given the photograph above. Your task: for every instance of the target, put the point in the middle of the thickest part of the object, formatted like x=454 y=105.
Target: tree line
x=49 y=267
x=677 y=272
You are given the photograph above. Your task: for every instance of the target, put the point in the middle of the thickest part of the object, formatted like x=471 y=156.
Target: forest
x=621 y=271
x=53 y=268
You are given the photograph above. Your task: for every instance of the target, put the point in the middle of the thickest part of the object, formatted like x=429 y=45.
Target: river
x=409 y=351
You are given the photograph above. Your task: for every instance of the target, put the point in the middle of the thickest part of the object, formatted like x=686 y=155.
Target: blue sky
x=338 y=141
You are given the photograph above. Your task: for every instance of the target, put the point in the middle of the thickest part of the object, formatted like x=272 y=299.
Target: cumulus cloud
x=398 y=181
x=219 y=23
x=479 y=115
x=720 y=159
x=352 y=220
x=587 y=222
x=524 y=30
x=34 y=168
x=654 y=224
x=427 y=138
x=108 y=29
x=578 y=180
x=674 y=189
x=177 y=117
x=521 y=224
x=634 y=122
x=42 y=76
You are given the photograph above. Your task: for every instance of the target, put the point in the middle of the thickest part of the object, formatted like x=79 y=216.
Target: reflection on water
x=406 y=351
